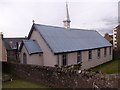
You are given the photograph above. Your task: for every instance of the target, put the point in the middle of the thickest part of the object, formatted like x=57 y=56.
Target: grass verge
x=109 y=67
x=20 y=84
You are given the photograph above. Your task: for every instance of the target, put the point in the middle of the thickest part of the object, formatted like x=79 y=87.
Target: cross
x=33 y=21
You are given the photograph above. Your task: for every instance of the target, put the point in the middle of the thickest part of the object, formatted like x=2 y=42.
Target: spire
x=66 y=20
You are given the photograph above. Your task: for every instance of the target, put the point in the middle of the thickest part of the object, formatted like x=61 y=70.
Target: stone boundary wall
x=59 y=77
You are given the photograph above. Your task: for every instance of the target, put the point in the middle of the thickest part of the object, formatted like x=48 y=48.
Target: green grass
x=110 y=67
x=4 y=74
x=20 y=84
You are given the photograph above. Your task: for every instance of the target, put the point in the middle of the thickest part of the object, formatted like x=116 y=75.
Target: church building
x=63 y=46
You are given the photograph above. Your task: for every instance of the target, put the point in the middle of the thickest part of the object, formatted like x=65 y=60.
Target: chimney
x=26 y=37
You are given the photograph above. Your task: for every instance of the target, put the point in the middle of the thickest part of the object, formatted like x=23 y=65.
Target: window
x=24 y=58
x=79 y=57
x=105 y=51
x=64 y=59
x=98 y=52
x=110 y=50
x=90 y=54
x=58 y=61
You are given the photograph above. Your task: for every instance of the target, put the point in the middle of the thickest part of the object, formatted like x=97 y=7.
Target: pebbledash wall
x=49 y=59
x=35 y=59
x=89 y=63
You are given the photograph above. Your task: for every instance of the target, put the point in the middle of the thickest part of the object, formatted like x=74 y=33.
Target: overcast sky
x=16 y=15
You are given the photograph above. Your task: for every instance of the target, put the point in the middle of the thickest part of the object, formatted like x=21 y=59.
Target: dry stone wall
x=62 y=77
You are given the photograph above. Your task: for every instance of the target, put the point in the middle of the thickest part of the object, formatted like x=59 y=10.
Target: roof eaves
x=79 y=50
x=31 y=30
x=35 y=53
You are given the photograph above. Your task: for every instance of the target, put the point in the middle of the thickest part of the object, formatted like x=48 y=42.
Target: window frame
x=90 y=54
x=105 y=51
x=110 y=50
x=64 y=60
x=24 y=58
x=98 y=53
x=79 y=57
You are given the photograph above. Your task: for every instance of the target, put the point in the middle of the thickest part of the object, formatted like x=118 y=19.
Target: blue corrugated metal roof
x=66 y=40
x=32 y=46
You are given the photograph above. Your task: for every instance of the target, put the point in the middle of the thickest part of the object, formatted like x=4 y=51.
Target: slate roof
x=32 y=46
x=61 y=40
x=11 y=43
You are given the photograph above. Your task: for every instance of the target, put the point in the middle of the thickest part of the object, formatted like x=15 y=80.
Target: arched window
x=24 y=58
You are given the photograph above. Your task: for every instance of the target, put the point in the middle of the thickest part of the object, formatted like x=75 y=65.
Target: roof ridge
x=49 y=25
x=65 y=28
x=82 y=29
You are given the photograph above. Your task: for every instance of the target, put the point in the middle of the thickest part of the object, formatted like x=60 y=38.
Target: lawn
x=20 y=84
x=109 y=67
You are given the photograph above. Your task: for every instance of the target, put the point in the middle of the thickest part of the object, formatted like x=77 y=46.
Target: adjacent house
x=3 y=52
x=108 y=37
x=52 y=45
x=12 y=45
x=116 y=42
x=116 y=37
x=9 y=48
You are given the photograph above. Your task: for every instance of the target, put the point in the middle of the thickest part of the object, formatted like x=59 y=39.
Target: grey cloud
x=110 y=21
x=105 y=30
x=119 y=11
